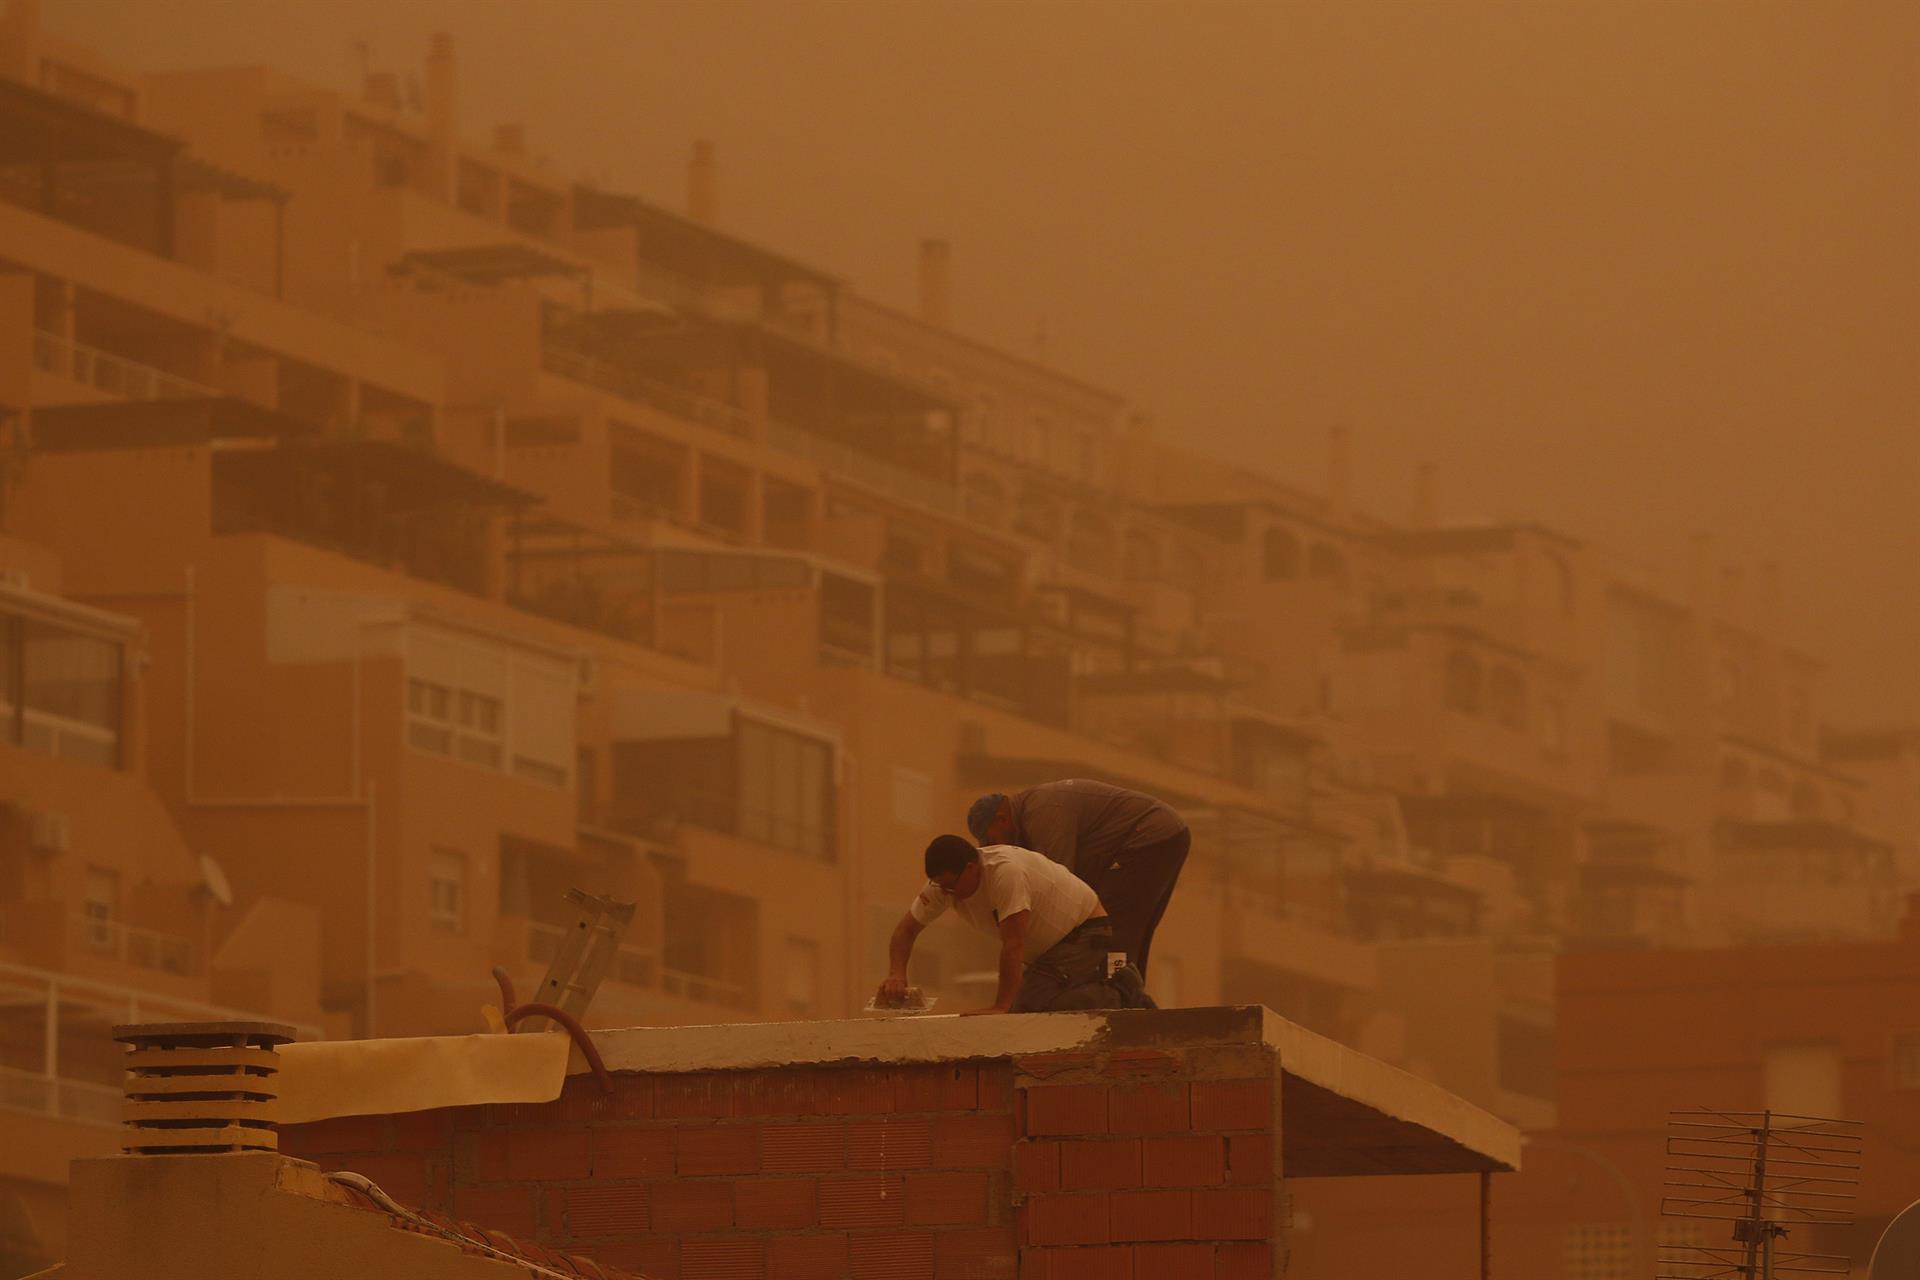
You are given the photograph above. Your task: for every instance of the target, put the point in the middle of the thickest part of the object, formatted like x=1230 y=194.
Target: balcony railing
x=698 y=986
x=643 y=390
x=143 y=948
x=58 y=1097
x=115 y=375
x=898 y=483
x=631 y=965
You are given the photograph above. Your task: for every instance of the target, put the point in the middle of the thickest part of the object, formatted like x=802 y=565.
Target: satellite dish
x=215 y=881
x=1897 y=1256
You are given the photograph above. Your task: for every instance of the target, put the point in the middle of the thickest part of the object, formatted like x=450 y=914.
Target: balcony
x=130 y=945
x=81 y=1101
x=109 y=374
x=383 y=504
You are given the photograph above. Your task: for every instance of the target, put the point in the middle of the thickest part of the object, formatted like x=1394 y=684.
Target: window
x=803 y=975
x=1326 y=562
x=647 y=473
x=785 y=794
x=99 y=904
x=448 y=886
x=488 y=705
x=1281 y=559
x=1906 y=1060
x=59 y=691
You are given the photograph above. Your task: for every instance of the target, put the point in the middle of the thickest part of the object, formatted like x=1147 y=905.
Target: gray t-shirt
x=1084 y=825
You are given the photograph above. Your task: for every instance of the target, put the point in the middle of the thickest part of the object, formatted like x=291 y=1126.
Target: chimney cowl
x=201 y=1088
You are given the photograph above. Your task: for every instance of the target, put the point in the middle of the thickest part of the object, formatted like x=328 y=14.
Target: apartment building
x=440 y=533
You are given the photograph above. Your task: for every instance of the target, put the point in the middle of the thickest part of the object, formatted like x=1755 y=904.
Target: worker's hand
x=893 y=991
x=992 y=1008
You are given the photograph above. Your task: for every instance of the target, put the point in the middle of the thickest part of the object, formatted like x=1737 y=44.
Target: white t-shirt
x=1013 y=880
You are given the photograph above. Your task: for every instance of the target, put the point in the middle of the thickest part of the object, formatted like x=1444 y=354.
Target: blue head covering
x=981 y=812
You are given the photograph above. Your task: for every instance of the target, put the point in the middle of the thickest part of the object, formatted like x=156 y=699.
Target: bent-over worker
x=1054 y=934
x=1128 y=846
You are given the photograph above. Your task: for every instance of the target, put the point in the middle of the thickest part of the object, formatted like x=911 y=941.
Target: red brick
x=658 y=1259
x=1186 y=1161
x=1034 y=1264
x=1089 y=1264
x=724 y=1259
x=893 y=1256
x=1147 y=1108
x=632 y=1153
x=892 y=1143
x=699 y=1205
x=1095 y=1164
x=1068 y=1219
x=580 y=1102
x=508 y=1209
x=708 y=1096
x=1250 y=1160
x=953 y=1087
x=346 y=1133
x=1174 y=1262
x=1152 y=1215
x=1036 y=1167
x=608 y=1211
x=1243 y=1262
x=1233 y=1104
x=975 y=1255
x=1053 y=1064
x=424 y=1130
x=1238 y=1214
x=807 y=1257
x=781 y=1203
x=803 y=1148
x=534 y=1155
x=996 y=1087
x=1066 y=1109
x=777 y=1093
x=947 y=1199
x=704 y=1150
x=862 y=1202
x=1141 y=1062
x=856 y=1091
x=633 y=1097
x=976 y=1141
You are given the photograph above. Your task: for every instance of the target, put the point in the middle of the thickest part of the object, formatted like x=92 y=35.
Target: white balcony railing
x=115 y=375
x=143 y=948
x=57 y=1097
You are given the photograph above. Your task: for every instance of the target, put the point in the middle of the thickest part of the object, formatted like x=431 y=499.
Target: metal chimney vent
x=197 y=1088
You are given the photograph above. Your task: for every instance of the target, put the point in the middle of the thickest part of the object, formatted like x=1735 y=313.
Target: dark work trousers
x=1071 y=974
x=1135 y=889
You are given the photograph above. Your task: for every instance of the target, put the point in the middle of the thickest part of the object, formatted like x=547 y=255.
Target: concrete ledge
x=1343 y=1113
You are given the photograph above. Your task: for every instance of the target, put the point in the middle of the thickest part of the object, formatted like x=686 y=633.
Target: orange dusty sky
x=1630 y=268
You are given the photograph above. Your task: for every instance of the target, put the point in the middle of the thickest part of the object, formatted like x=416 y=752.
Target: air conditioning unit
x=51 y=833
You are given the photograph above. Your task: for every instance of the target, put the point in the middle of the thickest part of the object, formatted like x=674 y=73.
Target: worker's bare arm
x=1013 y=960
x=899 y=951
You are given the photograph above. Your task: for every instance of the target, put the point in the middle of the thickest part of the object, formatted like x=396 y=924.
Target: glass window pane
x=72 y=676
x=756 y=781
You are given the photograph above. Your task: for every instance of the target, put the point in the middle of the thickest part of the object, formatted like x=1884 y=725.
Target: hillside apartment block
x=395 y=534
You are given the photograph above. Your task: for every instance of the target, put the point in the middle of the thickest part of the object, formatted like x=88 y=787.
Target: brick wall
x=1123 y=1165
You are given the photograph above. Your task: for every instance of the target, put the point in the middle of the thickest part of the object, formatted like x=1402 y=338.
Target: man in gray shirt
x=1129 y=847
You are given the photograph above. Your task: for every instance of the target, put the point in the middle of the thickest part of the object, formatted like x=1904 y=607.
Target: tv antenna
x=1765 y=1174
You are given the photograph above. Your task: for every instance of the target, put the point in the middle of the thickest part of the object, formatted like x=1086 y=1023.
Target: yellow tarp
x=321 y=1079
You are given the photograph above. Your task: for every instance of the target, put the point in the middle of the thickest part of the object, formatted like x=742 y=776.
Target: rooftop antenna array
x=1764 y=1174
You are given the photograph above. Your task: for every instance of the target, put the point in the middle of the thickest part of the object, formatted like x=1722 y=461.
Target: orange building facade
x=395 y=533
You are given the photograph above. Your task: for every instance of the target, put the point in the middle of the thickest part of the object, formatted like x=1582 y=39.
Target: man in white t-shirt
x=1054 y=934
